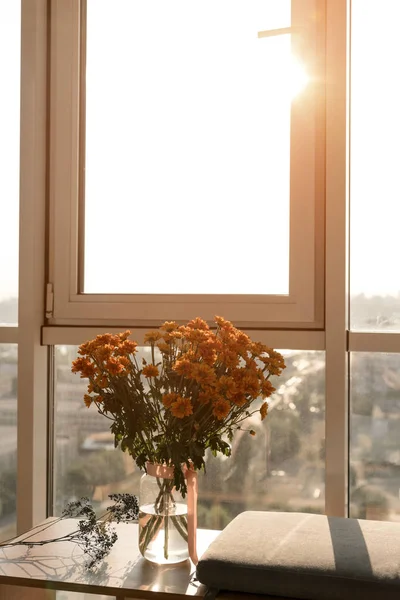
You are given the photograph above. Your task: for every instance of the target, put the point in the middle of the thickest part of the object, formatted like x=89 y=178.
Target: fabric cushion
x=300 y=555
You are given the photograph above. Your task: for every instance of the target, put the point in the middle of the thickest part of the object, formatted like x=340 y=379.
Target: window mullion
x=336 y=257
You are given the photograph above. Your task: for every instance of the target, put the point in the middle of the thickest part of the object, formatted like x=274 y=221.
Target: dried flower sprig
x=95 y=536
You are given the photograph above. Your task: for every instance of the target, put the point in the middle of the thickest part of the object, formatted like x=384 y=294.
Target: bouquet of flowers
x=194 y=393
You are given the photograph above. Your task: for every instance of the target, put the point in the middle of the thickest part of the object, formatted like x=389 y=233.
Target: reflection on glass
x=375 y=436
x=187 y=145
x=375 y=155
x=8 y=440
x=10 y=40
x=281 y=468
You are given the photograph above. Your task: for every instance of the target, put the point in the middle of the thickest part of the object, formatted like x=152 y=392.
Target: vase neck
x=161 y=471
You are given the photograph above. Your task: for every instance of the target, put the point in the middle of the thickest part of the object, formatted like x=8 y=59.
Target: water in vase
x=163 y=535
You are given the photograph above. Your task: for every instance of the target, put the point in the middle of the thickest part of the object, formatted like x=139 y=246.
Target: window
x=374 y=436
x=375 y=130
x=309 y=322
x=282 y=468
x=210 y=143
x=10 y=40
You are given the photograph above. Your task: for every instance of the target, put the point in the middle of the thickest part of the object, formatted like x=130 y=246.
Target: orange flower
x=87 y=400
x=163 y=347
x=251 y=386
x=221 y=409
x=84 y=366
x=198 y=323
x=168 y=399
x=124 y=336
x=204 y=398
x=182 y=407
x=239 y=399
x=183 y=367
x=169 y=326
x=113 y=366
x=204 y=374
x=152 y=336
x=266 y=388
x=226 y=386
x=127 y=347
x=264 y=410
x=150 y=371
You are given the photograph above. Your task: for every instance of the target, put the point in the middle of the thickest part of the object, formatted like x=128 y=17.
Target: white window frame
x=301 y=308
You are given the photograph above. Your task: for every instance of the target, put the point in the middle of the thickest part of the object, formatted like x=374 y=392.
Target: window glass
x=374 y=160
x=10 y=40
x=281 y=468
x=375 y=436
x=187 y=147
x=8 y=440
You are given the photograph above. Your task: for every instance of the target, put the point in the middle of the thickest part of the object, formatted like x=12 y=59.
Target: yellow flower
x=221 y=409
x=264 y=410
x=150 y=371
x=182 y=407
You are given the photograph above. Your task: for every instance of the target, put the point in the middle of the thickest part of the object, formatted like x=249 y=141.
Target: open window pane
x=10 y=41
x=8 y=440
x=375 y=436
x=375 y=156
x=281 y=468
x=187 y=147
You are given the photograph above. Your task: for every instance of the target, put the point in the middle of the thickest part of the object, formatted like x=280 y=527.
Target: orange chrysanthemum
x=221 y=408
x=264 y=410
x=203 y=374
x=181 y=408
x=113 y=366
x=204 y=397
x=169 y=399
x=183 y=367
x=169 y=326
x=88 y=400
x=266 y=388
x=226 y=386
x=152 y=336
x=150 y=371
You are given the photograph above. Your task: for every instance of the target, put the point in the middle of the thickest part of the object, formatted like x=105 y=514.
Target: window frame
x=37 y=186
x=302 y=308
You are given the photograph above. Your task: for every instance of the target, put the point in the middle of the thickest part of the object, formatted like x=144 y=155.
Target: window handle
x=282 y=31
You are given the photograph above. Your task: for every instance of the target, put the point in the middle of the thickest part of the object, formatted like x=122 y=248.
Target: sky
x=198 y=183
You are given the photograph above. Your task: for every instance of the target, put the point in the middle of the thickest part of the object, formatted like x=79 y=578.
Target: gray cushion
x=305 y=556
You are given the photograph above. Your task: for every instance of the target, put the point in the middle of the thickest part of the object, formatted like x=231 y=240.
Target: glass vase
x=163 y=523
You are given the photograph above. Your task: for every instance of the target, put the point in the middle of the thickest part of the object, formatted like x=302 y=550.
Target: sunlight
x=298 y=77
